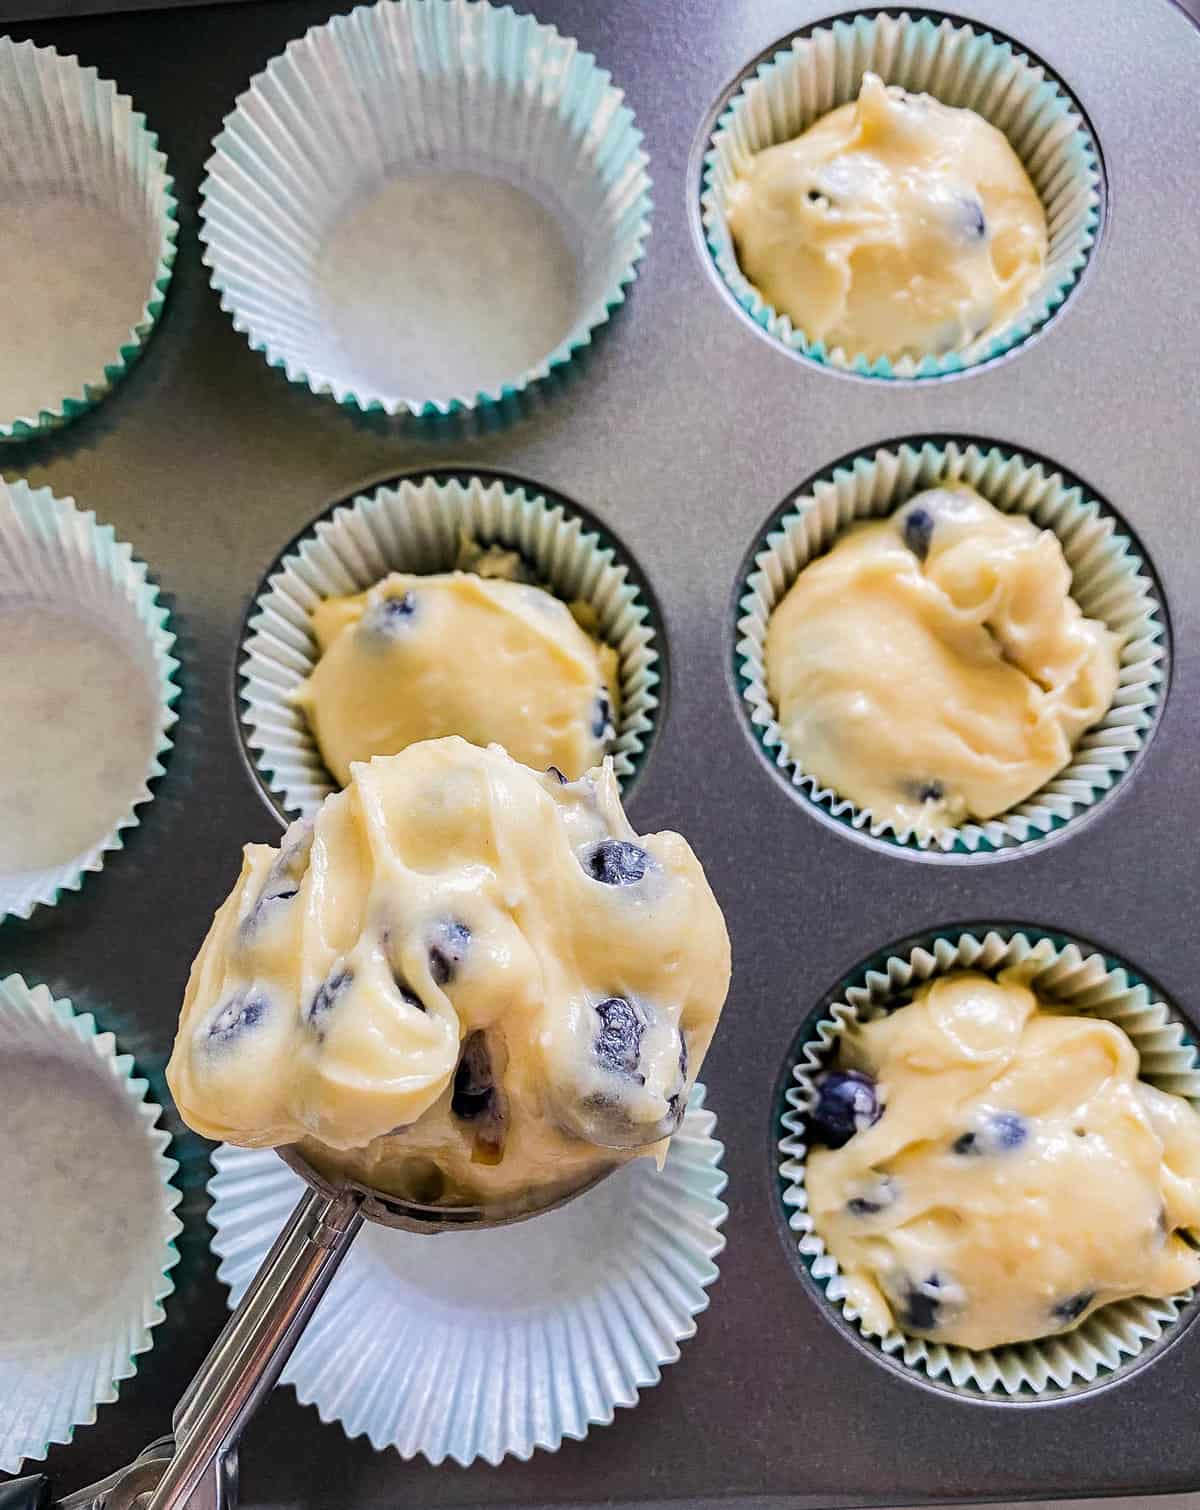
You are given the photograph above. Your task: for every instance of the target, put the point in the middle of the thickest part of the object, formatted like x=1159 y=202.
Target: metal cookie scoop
x=198 y=1467
x=247 y=1358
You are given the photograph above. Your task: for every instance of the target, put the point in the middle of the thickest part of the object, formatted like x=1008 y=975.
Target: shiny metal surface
x=682 y=431
x=247 y=1358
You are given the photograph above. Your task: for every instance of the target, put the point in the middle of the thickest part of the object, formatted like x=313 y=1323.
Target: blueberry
x=619 y=1042
x=1001 y=1133
x=390 y=615
x=675 y=1107
x=918 y=531
x=616 y=862
x=553 y=770
x=1008 y=1130
x=971 y=219
x=929 y=791
x=921 y=1306
x=1073 y=1307
x=474 y=1084
x=884 y=1193
x=239 y=1013
x=286 y=875
x=602 y=718
x=327 y=994
x=408 y=995
x=847 y=1103
x=448 y=951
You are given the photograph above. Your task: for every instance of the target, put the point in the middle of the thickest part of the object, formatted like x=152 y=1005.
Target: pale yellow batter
x=476 y=652
x=1019 y=1177
x=933 y=667
x=895 y=226
x=465 y=979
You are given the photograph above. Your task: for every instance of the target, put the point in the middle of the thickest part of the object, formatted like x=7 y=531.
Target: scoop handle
x=248 y=1357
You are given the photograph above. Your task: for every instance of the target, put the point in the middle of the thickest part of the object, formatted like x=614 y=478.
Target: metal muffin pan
x=680 y=432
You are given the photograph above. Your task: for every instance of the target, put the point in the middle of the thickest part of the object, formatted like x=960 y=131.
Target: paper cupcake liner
x=1112 y=1338
x=1110 y=581
x=54 y=557
x=415 y=526
x=409 y=89
x=71 y=140
x=490 y=1344
x=74 y=1325
x=959 y=66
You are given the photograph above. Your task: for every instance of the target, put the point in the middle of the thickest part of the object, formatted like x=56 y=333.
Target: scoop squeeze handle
x=249 y=1355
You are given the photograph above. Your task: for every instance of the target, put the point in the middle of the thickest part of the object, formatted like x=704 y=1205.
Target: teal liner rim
x=972 y=841
x=579 y=1401
x=93 y=390
x=819 y=1034
x=578 y=339
x=1048 y=302
x=46 y=510
x=122 y=1067
x=271 y=783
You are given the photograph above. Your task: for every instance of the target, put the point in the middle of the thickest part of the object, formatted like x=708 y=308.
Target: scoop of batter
x=479 y=652
x=999 y=1170
x=933 y=667
x=895 y=226
x=463 y=980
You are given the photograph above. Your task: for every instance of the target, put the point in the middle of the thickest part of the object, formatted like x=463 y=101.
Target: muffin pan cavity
x=88 y=691
x=1111 y=582
x=417 y=525
x=87 y=236
x=1116 y=1339
x=803 y=77
x=382 y=179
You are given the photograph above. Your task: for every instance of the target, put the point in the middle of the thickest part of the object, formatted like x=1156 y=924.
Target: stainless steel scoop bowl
x=248 y=1357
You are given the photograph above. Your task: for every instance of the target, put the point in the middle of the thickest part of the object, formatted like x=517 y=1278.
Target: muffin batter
x=933 y=667
x=476 y=652
x=463 y=980
x=895 y=226
x=1002 y=1171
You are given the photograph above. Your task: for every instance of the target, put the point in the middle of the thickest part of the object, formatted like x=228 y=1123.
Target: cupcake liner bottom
x=490 y=1344
x=87 y=686
x=85 y=1266
x=76 y=276
x=439 y=330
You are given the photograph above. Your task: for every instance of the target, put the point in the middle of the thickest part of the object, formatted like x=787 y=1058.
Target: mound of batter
x=994 y=1169
x=463 y=980
x=480 y=652
x=933 y=667
x=895 y=226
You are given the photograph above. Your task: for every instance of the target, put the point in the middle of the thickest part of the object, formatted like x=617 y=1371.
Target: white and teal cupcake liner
x=58 y=561
x=957 y=64
x=1116 y=1336
x=1110 y=582
x=486 y=1345
x=88 y=236
x=90 y=1243
x=352 y=255
x=417 y=526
